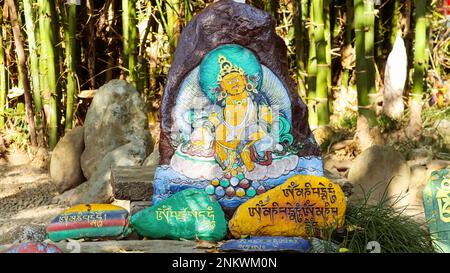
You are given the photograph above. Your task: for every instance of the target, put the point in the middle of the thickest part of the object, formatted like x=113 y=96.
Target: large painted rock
x=227 y=113
x=90 y=221
x=436 y=202
x=34 y=248
x=303 y=206
x=263 y=244
x=189 y=214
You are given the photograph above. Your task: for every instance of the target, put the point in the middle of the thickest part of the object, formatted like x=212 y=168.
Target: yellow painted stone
x=302 y=206
x=215 y=182
x=240 y=192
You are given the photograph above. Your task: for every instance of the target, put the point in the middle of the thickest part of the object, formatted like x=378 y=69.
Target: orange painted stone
x=302 y=206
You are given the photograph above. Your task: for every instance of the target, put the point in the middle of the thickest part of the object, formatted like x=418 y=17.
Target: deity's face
x=233 y=83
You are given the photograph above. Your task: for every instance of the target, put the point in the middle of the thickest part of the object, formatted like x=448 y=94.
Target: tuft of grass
x=386 y=224
x=349 y=122
x=388 y=124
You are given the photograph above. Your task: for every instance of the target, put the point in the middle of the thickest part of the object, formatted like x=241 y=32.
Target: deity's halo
x=238 y=56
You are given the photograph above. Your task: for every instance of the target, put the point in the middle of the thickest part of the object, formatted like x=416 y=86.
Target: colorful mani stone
x=34 y=248
x=90 y=221
x=188 y=214
x=436 y=202
x=227 y=111
x=264 y=244
x=303 y=206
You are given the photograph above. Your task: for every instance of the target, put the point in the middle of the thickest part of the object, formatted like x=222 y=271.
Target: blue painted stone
x=436 y=203
x=255 y=184
x=220 y=191
x=256 y=244
x=234 y=181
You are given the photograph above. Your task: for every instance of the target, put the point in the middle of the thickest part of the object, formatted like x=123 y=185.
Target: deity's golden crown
x=226 y=67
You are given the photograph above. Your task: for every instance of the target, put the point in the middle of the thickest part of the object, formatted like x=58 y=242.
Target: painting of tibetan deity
x=231 y=131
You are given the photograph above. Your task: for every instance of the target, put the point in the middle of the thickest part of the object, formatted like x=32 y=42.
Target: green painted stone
x=251 y=192
x=224 y=183
x=188 y=214
x=436 y=202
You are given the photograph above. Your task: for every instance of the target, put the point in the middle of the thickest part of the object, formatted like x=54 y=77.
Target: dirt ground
x=26 y=194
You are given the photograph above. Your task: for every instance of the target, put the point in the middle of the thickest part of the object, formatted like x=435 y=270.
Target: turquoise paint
x=436 y=195
x=237 y=55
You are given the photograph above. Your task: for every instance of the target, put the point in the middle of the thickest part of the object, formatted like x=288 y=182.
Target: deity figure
x=231 y=130
x=243 y=132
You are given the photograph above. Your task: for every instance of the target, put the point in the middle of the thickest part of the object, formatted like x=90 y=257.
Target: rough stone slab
x=136 y=206
x=138 y=246
x=133 y=183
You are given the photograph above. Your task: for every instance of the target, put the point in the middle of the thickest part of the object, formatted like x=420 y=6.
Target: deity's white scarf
x=233 y=131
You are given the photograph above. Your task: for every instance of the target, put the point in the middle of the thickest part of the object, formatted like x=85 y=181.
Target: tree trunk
x=3 y=78
x=322 y=65
x=70 y=40
x=24 y=70
x=91 y=58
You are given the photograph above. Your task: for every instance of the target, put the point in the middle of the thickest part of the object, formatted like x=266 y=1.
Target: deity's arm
x=265 y=114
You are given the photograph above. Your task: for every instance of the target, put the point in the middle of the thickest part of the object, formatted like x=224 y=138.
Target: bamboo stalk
x=322 y=66
x=125 y=34
x=111 y=41
x=300 y=45
x=328 y=37
x=271 y=7
x=312 y=73
x=34 y=60
x=69 y=35
x=395 y=22
x=18 y=41
x=369 y=42
x=173 y=23
x=420 y=64
x=187 y=12
x=133 y=39
x=361 y=66
x=48 y=68
x=347 y=42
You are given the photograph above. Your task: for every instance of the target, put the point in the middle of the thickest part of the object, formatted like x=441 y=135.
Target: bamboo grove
x=55 y=54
